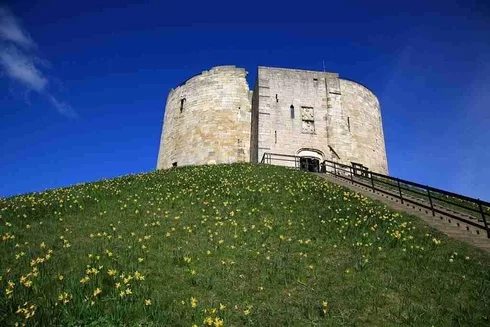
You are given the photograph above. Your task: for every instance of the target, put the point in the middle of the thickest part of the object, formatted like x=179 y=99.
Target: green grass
x=269 y=245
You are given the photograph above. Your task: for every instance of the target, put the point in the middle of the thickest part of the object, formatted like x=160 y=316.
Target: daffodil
x=218 y=322
x=97 y=291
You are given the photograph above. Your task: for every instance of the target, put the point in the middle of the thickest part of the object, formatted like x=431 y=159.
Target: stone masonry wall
x=338 y=119
x=254 y=128
x=366 y=129
x=278 y=90
x=214 y=123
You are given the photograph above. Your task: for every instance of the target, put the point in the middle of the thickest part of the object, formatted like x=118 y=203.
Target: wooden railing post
x=430 y=201
x=484 y=218
x=334 y=168
x=399 y=190
x=372 y=182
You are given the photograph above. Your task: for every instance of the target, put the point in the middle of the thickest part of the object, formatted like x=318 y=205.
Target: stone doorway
x=310 y=159
x=310 y=164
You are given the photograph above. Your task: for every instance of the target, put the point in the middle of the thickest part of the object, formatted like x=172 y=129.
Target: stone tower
x=207 y=120
x=214 y=118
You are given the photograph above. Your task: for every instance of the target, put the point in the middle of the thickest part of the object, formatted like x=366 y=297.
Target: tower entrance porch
x=310 y=159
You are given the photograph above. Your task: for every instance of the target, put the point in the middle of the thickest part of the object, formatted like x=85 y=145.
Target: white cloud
x=21 y=68
x=11 y=30
x=62 y=107
x=20 y=64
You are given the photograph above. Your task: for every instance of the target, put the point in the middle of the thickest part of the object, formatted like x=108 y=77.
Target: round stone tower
x=207 y=120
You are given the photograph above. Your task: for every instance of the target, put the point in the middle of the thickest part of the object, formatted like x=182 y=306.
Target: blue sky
x=83 y=84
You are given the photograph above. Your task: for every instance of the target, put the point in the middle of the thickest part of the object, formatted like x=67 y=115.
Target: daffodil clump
x=229 y=245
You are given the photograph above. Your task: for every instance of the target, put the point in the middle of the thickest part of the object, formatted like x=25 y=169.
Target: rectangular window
x=308 y=120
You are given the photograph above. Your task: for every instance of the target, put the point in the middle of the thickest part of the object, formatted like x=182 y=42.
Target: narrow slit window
x=292 y=111
x=277 y=99
x=348 y=123
x=275 y=136
x=182 y=102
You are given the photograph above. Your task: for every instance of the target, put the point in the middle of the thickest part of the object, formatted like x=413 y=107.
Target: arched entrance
x=310 y=159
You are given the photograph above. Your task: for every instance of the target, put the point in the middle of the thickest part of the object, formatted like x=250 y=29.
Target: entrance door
x=309 y=164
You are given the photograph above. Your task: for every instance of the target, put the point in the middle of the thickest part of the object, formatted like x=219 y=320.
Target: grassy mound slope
x=230 y=245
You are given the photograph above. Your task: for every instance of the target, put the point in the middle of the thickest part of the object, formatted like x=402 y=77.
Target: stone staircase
x=446 y=224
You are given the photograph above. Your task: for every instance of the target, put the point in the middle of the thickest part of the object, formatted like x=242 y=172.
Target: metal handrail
x=433 y=189
x=432 y=207
x=355 y=175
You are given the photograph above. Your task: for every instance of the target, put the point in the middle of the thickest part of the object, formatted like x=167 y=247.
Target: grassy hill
x=230 y=245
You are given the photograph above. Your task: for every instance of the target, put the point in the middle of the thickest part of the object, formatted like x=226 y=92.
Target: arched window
x=292 y=111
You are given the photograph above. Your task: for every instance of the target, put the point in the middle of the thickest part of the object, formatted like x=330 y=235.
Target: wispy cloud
x=62 y=107
x=20 y=63
x=10 y=30
x=22 y=69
